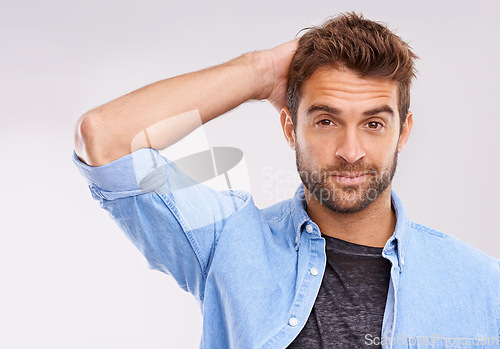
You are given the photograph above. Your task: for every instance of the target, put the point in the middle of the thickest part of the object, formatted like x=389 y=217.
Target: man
x=339 y=265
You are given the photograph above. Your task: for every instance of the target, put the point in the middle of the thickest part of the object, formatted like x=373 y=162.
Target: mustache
x=349 y=169
x=344 y=170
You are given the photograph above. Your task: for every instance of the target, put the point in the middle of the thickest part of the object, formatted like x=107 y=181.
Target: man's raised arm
x=162 y=113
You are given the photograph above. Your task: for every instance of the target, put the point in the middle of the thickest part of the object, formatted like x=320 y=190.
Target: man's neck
x=372 y=226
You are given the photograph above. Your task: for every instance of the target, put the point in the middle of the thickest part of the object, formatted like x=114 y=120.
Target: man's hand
x=276 y=63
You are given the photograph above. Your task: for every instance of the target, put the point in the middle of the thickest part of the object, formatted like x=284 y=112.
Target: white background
x=68 y=276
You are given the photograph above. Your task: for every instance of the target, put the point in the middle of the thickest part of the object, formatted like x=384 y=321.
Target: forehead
x=345 y=90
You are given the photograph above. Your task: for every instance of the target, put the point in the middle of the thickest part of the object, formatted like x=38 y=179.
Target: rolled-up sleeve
x=173 y=221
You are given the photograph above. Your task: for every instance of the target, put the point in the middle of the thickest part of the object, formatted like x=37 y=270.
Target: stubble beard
x=345 y=198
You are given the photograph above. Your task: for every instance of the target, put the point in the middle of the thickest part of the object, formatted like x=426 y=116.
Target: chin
x=356 y=201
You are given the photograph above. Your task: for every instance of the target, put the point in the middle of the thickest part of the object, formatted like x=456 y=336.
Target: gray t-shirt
x=350 y=305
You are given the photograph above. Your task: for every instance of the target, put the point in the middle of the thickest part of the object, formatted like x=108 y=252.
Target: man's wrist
x=262 y=74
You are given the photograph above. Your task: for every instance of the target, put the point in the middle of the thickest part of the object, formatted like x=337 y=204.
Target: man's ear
x=287 y=126
x=405 y=132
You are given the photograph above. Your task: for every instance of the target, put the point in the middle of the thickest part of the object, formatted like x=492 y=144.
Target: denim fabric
x=249 y=268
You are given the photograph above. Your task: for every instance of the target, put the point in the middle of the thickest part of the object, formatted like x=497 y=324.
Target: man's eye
x=325 y=122
x=374 y=125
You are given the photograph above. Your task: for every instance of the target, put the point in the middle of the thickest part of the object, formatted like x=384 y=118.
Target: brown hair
x=351 y=41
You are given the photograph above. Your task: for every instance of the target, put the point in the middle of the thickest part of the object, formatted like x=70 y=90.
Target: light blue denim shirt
x=250 y=269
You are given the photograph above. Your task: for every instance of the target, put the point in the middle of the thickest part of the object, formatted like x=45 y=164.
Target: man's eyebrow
x=322 y=107
x=334 y=111
x=382 y=109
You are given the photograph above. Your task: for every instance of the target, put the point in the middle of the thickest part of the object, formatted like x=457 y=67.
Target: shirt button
x=314 y=271
x=293 y=321
x=309 y=228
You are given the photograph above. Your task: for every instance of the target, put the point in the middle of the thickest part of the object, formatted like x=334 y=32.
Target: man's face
x=346 y=138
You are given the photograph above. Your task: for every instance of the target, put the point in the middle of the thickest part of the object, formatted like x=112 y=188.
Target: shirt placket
x=311 y=268
x=390 y=313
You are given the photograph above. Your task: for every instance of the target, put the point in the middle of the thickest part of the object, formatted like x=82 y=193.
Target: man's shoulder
x=278 y=211
x=449 y=248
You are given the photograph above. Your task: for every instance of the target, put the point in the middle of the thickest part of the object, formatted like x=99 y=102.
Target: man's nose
x=349 y=147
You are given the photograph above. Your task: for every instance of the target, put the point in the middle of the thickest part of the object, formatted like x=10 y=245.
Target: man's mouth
x=350 y=178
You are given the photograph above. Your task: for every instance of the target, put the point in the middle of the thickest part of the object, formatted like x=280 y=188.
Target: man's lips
x=350 y=178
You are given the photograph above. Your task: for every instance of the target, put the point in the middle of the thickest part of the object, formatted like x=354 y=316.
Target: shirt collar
x=398 y=241
x=299 y=214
